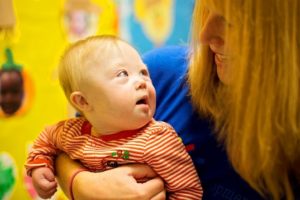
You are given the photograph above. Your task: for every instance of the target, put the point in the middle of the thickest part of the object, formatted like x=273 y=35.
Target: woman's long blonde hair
x=257 y=114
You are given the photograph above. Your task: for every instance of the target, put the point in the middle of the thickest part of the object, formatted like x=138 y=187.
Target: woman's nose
x=212 y=32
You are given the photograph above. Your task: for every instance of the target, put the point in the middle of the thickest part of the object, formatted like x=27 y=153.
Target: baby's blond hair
x=78 y=56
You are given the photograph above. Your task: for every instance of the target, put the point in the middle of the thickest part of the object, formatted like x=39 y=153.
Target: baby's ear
x=79 y=101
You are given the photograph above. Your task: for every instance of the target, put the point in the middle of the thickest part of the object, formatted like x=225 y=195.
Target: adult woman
x=244 y=75
x=255 y=98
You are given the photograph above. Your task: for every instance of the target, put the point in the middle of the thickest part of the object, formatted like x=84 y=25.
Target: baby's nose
x=141 y=84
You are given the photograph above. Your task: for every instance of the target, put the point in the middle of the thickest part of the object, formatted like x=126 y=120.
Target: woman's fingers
x=151 y=185
x=160 y=196
x=154 y=188
x=139 y=171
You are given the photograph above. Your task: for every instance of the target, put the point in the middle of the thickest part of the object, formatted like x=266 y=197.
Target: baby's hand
x=44 y=182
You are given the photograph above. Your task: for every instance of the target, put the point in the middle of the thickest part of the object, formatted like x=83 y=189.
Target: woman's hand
x=118 y=183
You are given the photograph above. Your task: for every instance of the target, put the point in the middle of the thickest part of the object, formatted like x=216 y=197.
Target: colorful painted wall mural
x=33 y=34
x=152 y=23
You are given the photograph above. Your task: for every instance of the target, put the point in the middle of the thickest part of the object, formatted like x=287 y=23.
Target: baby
x=105 y=79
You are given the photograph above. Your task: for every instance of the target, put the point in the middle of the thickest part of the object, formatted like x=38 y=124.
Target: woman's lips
x=219 y=57
x=219 y=60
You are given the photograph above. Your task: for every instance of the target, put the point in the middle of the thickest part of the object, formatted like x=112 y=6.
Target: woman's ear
x=79 y=101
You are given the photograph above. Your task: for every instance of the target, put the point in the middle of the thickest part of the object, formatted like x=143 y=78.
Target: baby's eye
x=144 y=72
x=122 y=73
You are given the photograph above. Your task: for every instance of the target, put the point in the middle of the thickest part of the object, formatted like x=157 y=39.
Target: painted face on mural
x=11 y=91
x=80 y=19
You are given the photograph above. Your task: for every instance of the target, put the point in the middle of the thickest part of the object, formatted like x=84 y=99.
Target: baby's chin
x=143 y=121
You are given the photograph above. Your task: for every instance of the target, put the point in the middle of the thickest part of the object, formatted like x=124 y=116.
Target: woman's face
x=213 y=35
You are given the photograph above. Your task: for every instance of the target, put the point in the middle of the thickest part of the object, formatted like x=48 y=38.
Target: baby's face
x=120 y=89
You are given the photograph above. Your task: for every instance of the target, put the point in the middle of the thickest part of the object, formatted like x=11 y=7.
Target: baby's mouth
x=142 y=101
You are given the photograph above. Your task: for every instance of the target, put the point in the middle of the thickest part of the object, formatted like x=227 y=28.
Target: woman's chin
x=222 y=74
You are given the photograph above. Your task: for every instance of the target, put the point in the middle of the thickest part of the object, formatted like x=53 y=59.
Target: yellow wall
x=39 y=43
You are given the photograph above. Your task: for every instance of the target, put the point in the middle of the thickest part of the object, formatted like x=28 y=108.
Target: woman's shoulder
x=170 y=57
x=167 y=50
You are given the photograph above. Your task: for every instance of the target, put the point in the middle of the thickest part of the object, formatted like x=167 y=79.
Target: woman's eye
x=122 y=74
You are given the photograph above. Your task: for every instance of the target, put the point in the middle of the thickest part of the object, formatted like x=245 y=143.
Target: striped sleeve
x=167 y=156
x=45 y=148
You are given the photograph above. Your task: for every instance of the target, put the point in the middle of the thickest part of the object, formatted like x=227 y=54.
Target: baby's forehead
x=114 y=49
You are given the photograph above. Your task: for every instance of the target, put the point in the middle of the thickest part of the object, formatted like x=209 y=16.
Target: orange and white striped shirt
x=156 y=144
